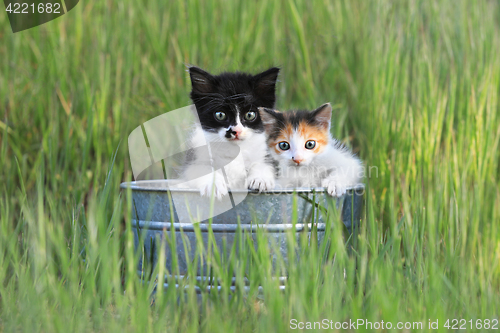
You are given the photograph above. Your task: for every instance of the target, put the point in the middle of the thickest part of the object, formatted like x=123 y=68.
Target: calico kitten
x=301 y=143
x=227 y=106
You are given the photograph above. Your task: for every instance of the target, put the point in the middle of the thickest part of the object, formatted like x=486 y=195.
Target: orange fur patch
x=317 y=134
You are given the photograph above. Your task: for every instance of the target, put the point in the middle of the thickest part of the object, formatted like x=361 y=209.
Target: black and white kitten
x=227 y=106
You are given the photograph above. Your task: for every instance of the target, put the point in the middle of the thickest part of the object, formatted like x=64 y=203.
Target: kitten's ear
x=201 y=81
x=268 y=118
x=323 y=115
x=264 y=84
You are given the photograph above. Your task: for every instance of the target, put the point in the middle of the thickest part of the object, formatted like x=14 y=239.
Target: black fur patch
x=232 y=93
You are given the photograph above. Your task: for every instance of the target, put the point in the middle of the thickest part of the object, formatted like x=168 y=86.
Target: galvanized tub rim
x=141 y=185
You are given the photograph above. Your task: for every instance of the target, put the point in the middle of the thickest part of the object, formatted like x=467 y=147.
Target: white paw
x=217 y=186
x=261 y=183
x=334 y=187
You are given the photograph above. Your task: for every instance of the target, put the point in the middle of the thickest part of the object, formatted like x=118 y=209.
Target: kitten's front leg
x=346 y=172
x=261 y=177
x=210 y=181
x=213 y=183
x=334 y=186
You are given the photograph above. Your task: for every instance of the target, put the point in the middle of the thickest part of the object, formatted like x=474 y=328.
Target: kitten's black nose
x=230 y=133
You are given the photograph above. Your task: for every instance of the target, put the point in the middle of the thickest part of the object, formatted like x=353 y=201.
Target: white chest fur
x=246 y=169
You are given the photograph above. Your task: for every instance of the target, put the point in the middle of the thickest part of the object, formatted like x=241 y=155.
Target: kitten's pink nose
x=237 y=130
x=297 y=160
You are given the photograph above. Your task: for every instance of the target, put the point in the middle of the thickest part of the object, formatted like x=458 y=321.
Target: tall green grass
x=415 y=84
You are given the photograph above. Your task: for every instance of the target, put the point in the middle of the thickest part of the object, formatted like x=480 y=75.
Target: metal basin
x=160 y=209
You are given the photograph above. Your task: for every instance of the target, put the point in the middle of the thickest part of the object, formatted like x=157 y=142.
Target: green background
x=415 y=88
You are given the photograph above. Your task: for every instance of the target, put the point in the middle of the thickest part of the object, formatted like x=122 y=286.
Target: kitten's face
x=296 y=138
x=227 y=104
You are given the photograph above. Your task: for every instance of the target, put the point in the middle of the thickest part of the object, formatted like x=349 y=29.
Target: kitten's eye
x=250 y=115
x=219 y=115
x=284 y=145
x=310 y=144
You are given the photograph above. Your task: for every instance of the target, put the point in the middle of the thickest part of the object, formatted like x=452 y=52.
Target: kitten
x=227 y=106
x=301 y=143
